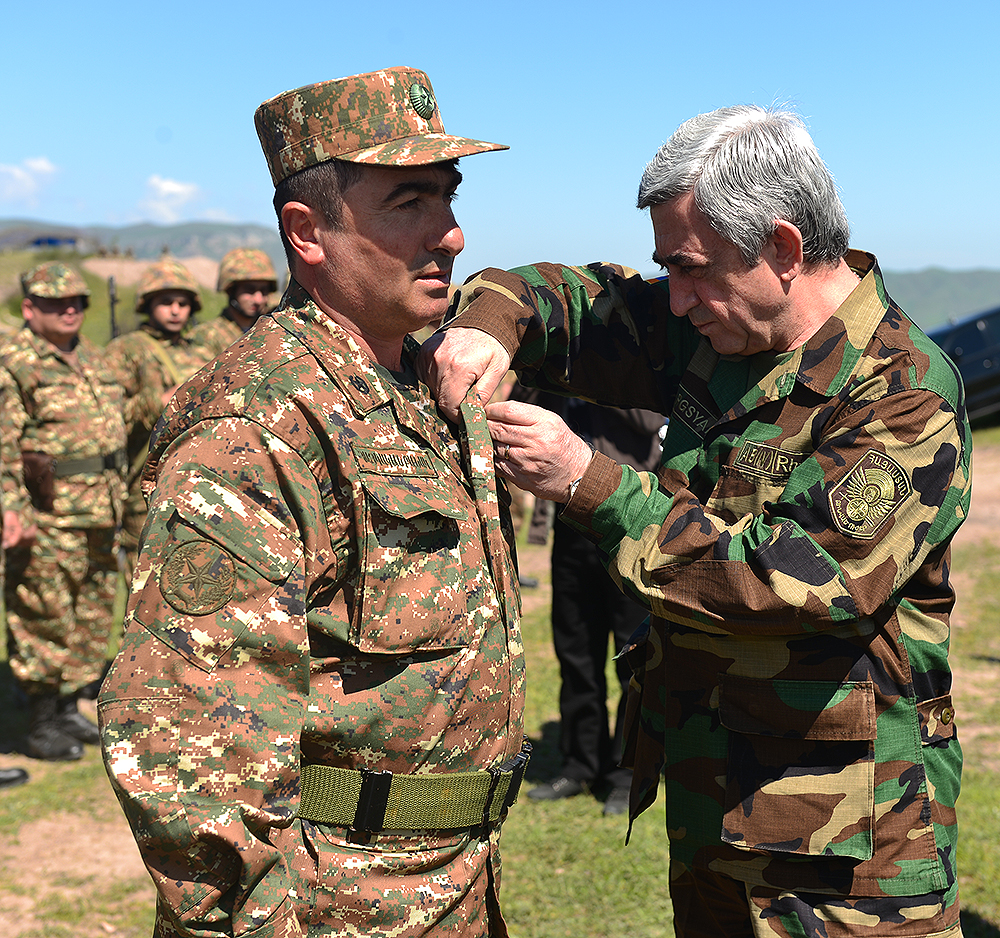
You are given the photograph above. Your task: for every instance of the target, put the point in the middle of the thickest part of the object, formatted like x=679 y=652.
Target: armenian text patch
x=865 y=498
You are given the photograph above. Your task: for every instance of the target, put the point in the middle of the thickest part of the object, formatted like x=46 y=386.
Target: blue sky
x=115 y=112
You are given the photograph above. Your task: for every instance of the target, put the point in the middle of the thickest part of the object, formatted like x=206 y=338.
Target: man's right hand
x=454 y=361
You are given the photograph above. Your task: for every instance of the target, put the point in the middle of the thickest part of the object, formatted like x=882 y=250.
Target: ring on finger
x=504 y=450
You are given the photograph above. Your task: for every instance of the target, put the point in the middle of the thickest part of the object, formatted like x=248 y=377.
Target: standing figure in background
x=150 y=363
x=247 y=277
x=587 y=607
x=12 y=776
x=63 y=445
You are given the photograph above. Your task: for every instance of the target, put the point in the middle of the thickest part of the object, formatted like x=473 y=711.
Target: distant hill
x=930 y=297
x=145 y=241
x=934 y=296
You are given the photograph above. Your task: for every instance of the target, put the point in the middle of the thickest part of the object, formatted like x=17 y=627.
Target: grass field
x=566 y=869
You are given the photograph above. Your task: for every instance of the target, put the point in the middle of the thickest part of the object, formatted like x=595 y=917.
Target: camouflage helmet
x=54 y=280
x=166 y=274
x=388 y=118
x=246 y=264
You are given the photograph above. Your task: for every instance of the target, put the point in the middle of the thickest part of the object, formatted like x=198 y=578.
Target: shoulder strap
x=159 y=349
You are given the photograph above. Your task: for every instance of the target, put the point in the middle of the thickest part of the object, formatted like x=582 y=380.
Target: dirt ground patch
x=127 y=271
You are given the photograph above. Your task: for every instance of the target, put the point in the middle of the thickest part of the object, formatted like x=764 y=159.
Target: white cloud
x=167 y=197
x=21 y=183
x=218 y=214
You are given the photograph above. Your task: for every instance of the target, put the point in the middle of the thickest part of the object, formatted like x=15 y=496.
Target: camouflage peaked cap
x=388 y=118
x=166 y=274
x=246 y=264
x=53 y=280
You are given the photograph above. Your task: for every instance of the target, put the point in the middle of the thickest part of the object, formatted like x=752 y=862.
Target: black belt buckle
x=514 y=768
x=116 y=460
x=517 y=765
x=372 y=801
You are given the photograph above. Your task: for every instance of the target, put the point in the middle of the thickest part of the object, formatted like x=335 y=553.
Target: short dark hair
x=321 y=187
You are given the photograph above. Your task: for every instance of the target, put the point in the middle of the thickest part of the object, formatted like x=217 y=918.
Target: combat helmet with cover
x=246 y=264
x=166 y=274
x=54 y=280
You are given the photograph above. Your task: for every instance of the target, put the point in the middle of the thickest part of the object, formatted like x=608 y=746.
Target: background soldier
x=63 y=456
x=247 y=276
x=315 y=719
x=151 y=363
x=12 y=776
x=793 y=548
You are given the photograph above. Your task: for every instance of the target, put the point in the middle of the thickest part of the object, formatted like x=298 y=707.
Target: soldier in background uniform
x=314 y=723
x=9 y=777
x=63 y=488
x=793 y=547
x=247 y=277
x=151 y=363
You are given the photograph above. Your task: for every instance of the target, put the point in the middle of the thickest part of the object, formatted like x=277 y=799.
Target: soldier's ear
x=301 y=225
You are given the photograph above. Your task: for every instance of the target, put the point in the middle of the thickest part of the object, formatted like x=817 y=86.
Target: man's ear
x=301 y=226
x=786 y=244
x=27 y=309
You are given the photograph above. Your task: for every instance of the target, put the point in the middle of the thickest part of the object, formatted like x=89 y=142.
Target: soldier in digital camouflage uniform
x=314 y=724
x=247 y=277
x=63 y=487
x=9 y=777
x=793 y=547
x=151 y=363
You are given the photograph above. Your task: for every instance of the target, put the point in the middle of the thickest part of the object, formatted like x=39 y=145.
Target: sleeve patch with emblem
x=198 y=578
x=864 y=499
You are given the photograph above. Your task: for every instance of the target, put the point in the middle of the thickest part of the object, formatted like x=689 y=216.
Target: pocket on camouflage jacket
x=800 y=775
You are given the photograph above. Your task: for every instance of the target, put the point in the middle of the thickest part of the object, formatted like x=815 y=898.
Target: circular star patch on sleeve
x=198 y=578
x=865 y=498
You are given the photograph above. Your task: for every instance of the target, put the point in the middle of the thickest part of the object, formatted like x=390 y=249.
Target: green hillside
x=930 y=297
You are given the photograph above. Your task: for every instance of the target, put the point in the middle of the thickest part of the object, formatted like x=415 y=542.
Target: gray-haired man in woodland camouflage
x=314 y=724
x=793 y=548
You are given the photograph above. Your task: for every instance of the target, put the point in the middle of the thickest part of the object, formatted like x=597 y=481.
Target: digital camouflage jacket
x=140 y=359
x=216 y=335
x=67 y=411
x=793 y=550
x=326 y=577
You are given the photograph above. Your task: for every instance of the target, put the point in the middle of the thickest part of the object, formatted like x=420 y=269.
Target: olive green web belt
x=91 y=465
x=377 y=801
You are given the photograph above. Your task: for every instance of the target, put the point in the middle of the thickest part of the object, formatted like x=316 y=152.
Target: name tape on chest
x=869 y=494
x=394 y=462
x=691 y=412
x=763 y=461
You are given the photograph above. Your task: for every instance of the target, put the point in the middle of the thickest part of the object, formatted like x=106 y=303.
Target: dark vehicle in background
x=973 y=344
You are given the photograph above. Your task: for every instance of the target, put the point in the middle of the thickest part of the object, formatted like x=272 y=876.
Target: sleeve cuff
x=599 y=483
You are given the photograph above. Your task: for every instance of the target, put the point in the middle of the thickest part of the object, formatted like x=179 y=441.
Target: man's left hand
x=536 y=450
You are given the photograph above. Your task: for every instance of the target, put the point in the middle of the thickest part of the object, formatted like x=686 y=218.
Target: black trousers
x=587 y=607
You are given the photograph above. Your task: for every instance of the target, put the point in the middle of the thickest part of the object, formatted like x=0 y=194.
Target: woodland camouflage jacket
x=794 y=553
x=327 y=577
x=67 y=411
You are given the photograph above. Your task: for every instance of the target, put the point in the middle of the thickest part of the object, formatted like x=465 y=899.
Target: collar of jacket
x=46 y=349
x=826 y=362
x=341 y=357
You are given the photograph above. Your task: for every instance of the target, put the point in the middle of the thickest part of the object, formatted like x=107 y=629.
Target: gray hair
x=750 y=167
